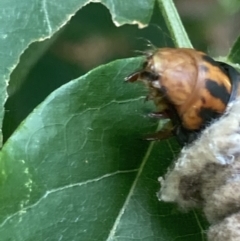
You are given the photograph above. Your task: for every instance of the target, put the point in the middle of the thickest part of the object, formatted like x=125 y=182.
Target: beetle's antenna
x=148 y=54
x=140 y=52
x=165 y=35
x=148 y=43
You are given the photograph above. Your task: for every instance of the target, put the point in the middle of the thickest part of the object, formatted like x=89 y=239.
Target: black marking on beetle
x=234 y=77
x=218 y=91
x=210 y=60
x=207 y=115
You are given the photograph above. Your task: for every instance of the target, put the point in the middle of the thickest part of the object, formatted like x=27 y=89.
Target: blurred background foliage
x=91 y=39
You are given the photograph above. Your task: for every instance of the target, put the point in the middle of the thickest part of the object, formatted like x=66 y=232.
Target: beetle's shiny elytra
x=189 y=85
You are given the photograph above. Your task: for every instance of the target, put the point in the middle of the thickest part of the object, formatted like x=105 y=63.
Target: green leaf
x=174 y=24
x=134 y=12
x=230 y=7
x=234 y=54
x=77 y=168
x=24 y=22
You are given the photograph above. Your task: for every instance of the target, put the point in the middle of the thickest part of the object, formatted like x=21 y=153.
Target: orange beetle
x=189 y=87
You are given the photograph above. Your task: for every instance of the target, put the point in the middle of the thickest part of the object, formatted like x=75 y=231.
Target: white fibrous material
x=207 y=175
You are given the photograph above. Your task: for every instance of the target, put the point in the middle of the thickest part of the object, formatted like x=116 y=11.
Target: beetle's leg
x=159 y=115
x=149 y=75
x=133 y=77
x=166 y=132
x=141 y=74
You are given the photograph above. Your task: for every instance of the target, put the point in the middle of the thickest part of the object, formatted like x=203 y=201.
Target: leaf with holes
x=24 y=22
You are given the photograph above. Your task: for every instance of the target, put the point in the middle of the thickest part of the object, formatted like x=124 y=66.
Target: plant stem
x=174 y=24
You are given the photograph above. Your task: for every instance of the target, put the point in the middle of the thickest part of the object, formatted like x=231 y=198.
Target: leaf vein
x=49 y=192
x=45 y=11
